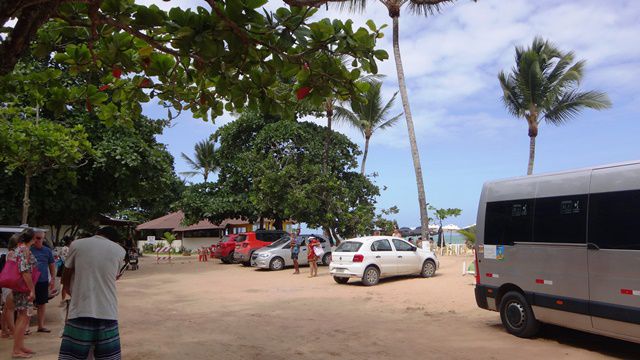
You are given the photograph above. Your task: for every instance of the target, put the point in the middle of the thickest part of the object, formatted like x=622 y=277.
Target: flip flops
x=44 y=330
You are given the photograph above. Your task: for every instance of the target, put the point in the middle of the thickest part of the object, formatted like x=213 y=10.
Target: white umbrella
x=451 y=227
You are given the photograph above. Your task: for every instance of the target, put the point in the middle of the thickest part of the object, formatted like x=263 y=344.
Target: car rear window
x=349 y=246
x=241 y=238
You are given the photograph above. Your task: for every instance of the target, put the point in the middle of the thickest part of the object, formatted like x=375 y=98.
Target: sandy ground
x=191 y=310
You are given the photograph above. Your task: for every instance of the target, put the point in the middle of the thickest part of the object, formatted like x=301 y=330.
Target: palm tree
x=368 y=117
x=205 y=160
x=543 y=86
x=421 y=7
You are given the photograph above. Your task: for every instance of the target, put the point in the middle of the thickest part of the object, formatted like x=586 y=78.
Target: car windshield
x=283 y=240
x=349 y=246
x=241 y=238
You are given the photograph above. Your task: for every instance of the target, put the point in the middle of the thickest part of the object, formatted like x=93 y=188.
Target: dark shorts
x=82 y=335
x=294 y=256
x=42 y=293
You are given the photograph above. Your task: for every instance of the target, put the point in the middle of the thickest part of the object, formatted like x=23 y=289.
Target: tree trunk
x=366 y=151
x=532 y=154
x=25 y=199
x=422 y=200
x=327 y=140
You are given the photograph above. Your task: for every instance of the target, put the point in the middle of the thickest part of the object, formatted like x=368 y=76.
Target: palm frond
x=189 y=160
x=510 y=95
x=390 y=122
x=189 y=173
x=346 y=116
x=427 y=7
x=353 y=5
x=572 y=102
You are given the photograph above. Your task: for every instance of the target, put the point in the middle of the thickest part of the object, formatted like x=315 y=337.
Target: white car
x=373 y=257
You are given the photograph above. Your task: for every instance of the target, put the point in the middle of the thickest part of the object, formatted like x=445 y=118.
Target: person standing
x=312 y=242
x=22 y=301
x=295 y=251
x=91 y=270
x=7 y=322
x=46 y=281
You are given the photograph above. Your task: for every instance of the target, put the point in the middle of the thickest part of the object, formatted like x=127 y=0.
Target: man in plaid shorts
x=91 y=270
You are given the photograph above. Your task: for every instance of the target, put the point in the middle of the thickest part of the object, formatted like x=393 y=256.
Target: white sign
x=151 y=239
x=490 y=252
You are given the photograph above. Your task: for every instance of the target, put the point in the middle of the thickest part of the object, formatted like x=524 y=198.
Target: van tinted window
x=508 y=221
x=612 y=217
x=561 y=219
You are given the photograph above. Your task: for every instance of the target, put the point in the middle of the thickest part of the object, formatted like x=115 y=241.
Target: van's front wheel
x=517 y=316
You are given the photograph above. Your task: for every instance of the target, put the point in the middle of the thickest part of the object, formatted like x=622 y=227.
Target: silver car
x=277 y=255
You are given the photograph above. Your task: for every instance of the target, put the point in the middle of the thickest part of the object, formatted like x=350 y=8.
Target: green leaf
x=381 y=55
x=254 y=4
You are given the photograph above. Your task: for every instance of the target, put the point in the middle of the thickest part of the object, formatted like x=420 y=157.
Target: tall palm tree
x=368 y=117
x=543 y=86
x=421 y=7
x=205 y=161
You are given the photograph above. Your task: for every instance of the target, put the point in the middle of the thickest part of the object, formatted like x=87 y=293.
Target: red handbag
x=11 y=278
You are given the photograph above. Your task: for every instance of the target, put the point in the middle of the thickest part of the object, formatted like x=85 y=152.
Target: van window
x=507 y=222
x=561 y=219
x=612 y=217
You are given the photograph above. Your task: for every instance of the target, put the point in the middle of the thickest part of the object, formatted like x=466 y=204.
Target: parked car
x=225 y=248
x=374 y=257
x=251 y=241
x=5 y=233
x=277 y=255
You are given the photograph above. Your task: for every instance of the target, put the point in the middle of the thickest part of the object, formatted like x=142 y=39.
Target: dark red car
x=225 y=248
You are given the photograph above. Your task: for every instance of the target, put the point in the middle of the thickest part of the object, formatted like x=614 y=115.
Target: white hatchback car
x=373 y=257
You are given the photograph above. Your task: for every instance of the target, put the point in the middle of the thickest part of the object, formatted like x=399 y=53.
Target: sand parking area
x=190 y=310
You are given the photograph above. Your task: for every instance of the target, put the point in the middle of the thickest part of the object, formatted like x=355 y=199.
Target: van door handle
x=592 y=246
x=378 y=257
x=399 y=256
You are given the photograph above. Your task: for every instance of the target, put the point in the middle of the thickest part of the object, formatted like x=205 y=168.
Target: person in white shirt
x=91 y=270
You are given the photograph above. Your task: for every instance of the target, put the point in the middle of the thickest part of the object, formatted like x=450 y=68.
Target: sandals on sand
x=21 y=356
x=44 y=330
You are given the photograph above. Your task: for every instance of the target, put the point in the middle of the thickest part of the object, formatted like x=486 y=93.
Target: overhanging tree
x=225 y=55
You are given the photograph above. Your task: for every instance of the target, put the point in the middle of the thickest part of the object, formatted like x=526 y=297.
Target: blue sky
x=465 y=136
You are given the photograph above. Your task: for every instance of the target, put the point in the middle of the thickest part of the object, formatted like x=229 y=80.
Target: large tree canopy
x=226 y=54
x=273 y=168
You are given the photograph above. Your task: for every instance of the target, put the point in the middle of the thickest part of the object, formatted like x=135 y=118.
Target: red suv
x=225 y=248
x=247 y=243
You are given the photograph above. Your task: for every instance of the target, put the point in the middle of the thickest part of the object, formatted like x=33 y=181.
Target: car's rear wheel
x=326 y=259
x=371 y=276
x=341 y=280
x=517 y=316
x=276 y=264
x=428 y=269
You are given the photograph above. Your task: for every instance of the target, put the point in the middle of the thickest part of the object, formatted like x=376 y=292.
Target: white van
x=562 y=248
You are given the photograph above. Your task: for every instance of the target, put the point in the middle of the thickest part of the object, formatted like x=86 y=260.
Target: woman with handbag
x=312 y=256
x=24 y=300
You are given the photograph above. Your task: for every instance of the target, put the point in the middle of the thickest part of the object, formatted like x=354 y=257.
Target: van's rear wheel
x=517 y=316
